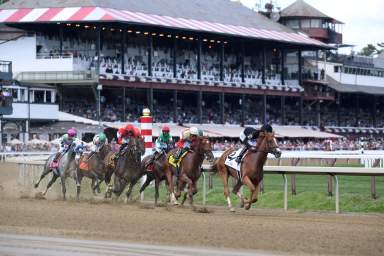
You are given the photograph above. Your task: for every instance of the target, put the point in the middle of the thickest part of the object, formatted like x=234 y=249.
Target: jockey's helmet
x=165 y=129
x=102 y=137
x=71 y=133
x=130 y=128
x=194 y=131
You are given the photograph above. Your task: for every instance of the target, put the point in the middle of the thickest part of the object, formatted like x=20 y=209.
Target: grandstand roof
x=215 y=16
x=300 y=9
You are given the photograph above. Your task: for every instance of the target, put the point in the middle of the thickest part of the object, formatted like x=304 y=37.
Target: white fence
x=31 y=166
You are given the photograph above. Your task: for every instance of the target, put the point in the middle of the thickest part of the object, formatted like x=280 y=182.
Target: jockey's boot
x=57 y=157
x=151 y=160
x=240 y=156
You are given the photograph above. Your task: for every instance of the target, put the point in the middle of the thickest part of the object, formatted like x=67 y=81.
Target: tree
x=368 y=50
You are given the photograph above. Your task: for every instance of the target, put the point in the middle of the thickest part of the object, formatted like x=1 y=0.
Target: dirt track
x=268 y=230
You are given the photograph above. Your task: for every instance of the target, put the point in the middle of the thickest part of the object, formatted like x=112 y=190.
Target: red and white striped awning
x=89 y=14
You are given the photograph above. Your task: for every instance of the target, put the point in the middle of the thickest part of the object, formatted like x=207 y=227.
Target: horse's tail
x=213 y=168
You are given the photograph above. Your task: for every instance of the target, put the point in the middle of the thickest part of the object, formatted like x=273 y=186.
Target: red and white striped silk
x=89 y=14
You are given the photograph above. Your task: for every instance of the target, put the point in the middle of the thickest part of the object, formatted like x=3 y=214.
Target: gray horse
x=66 y=168
x=99 y=169
x=128 y=169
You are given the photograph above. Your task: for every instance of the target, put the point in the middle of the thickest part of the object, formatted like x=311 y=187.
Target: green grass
x=311 y=194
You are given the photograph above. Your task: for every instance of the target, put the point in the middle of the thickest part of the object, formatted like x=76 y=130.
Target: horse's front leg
x=253 y=191
x=63 y=187
x=79 y=178
x=236 y=190
x=169 y=178
x=53 y=179
x=184 y=179
x=43 y=174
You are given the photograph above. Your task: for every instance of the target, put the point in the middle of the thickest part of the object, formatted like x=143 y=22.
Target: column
x=242 y=62
x=98 y=48
x=174 y=64
x=301 y=109
x=150 y=53
x=264 y=108
x=243 y=109
x=222 y=102
x=123 y=49
x=124 y=107
x=61 y=38
x=374 y=110
x=199 y=59
x=282 y=52
x=282 y=110
x=264 y=61
x=338 y=102
x=300 y=77
x=222 y=61
x=318 y=112
x=176 y=114
x=357 y=110
x=200 y=106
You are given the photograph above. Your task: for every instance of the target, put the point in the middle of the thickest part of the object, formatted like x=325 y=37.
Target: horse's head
x=205 y=147
x=268 y=141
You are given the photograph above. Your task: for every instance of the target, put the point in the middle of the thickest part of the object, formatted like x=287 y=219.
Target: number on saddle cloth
x=230 y=161
x=176 y=163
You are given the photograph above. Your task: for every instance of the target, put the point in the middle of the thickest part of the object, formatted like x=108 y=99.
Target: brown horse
x=99 y=168
x=190 y=168
x=251 y=170
x=158 y=174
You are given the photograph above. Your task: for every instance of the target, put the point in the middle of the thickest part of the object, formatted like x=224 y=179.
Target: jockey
x=163 y=143
x=98 y=141
x=187 y=138
x=124 y=136
x=65 y=142
x=248 y=137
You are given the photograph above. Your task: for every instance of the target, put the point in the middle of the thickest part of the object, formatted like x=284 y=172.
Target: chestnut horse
x=251 y=170
x=158 y=174
x=190 y=168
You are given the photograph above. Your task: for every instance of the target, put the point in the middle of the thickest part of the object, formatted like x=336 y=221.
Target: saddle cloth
x=230 y=161
x=84 y=162
x=176 y=163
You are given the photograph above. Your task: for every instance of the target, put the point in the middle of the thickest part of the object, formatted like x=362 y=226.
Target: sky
x=364 y=20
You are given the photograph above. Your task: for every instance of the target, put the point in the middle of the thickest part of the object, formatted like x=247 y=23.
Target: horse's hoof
x=232 y=209
x=247 y=207
x=36 y=186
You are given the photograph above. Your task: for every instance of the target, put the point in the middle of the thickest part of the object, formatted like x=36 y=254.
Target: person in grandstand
x=187 y=138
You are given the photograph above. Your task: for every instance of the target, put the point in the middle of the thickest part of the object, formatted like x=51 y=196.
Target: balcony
x=59 y=77
x=325 y=35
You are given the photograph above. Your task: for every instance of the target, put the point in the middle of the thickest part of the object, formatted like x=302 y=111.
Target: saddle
x=176 y=163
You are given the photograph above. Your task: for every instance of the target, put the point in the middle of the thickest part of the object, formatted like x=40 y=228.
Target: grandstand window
x=162 y=59
x=336 y=69
x=253 y=65
x=38 y=96
x=293 y=23
x=273 y=67
x=48 y=97
x=316 y=23
x=232 y=64
x=210 y=61
x=110 y=59
x=305 y=23
x=291 y=68
x=136 y=55
x=186 y=59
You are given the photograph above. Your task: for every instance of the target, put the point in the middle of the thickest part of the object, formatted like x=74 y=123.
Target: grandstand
x=189 y=61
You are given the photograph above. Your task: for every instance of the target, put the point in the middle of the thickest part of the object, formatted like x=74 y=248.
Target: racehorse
x=128 y=168
x=66 y=168
x=158 y=174
x=190 y=168
x=99 y=169
x=251 y=169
